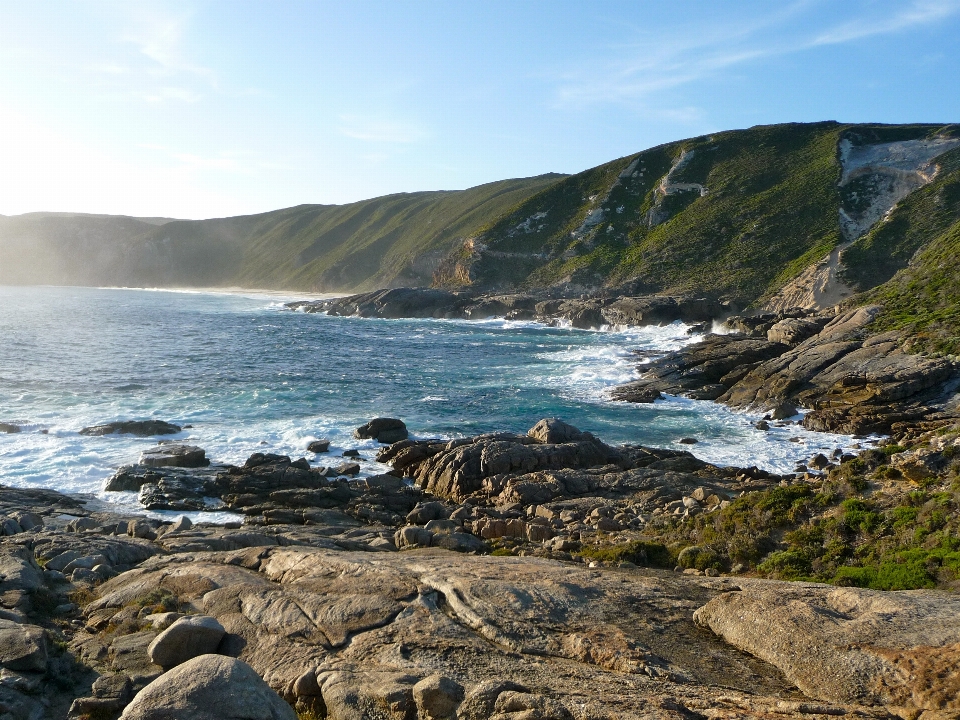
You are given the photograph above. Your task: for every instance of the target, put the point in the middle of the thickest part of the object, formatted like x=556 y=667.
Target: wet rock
x=9 y=428
x=318 y=446
x=209 y=687
x=140 y=428
x=383 y=430
x=174 y=455
x=186 y=638
x=819 y=462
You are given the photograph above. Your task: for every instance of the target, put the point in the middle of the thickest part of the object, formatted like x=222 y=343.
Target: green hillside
x=393 y=240
x=735 y=214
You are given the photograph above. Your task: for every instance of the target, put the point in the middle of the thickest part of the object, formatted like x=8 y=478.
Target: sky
x=210 y=109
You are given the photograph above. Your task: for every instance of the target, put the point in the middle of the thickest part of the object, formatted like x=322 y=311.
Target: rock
x=819 y=462
x=181 y=524
x=688 y=441
x=140 y=428
x=413 y=536
x=424 y=512
x=9 y=428
x=22 y=647
x=480 y=701
x=791 y=331
x=517 y=705
x=783 y=410
x=762 y=425
x=186 y=638
x=9 y=526
x=383 y=430
x=849 y=645
x=209 y=687
x=174 y=455
x=437 y=697
x=348 y=469
x=28 y=520
x=351 y=453
x=553 y=431
x=318 y=446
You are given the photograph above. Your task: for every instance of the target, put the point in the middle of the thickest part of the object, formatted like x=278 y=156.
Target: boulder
x=437 y=697
x=174 y=455
x=553 y=431
x=22 y=647
x=186 y=638
x=848 y=645
x=140 y=428
x=209 y=687
x=318 y=446
x=481 y=700
x=9 y=428
x=383 y=430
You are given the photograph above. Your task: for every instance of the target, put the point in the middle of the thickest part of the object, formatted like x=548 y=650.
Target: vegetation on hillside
x=863 y=524
x=769 y=205
x=923 y=299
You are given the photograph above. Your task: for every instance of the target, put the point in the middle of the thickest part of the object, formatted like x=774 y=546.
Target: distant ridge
x=792 y=215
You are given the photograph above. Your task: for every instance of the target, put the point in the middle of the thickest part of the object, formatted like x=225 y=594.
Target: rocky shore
x=851 y=379
x=586 y=312
x=538 y=576
x=511 y=576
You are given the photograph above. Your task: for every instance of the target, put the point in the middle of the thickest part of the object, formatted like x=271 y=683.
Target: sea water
x=242 y=374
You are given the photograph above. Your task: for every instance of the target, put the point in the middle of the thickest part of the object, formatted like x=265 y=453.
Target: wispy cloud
x=379 y=130
x=657 y=64
x=923 y=12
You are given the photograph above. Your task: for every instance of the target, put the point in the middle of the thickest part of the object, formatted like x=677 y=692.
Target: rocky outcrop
x=209 y=687
x=174 y=455
x=9 y=428
x=852 y=382
x=847 y=645
x=585 y=313
x=140 y=428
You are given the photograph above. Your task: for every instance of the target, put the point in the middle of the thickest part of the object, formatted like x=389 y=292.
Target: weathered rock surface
x=174 y=455
x=847 y=645
x=853 y=382
x=345 y=631
x=9 y=428
x=140 y=428
x=209 y=687
x=186 y=638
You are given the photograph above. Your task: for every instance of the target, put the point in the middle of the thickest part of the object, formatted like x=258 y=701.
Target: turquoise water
x=250 y=375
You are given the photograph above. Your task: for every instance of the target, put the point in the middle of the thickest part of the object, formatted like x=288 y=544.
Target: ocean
x=248 y=375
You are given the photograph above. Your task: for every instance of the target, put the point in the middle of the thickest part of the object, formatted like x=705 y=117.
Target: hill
x=775 y=217
x=392 y=240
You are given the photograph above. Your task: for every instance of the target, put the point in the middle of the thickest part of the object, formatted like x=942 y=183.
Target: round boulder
x=187 y=638
x=384 y=430
x=437 y=697
x=209 y=687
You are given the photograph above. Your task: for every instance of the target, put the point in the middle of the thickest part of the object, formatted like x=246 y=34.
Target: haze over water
x=250 y=375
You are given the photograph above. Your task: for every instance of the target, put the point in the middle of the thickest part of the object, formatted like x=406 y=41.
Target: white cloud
x=922 y=12
x=633 y=74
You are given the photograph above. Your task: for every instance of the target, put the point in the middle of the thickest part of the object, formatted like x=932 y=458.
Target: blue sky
x=208 y=109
